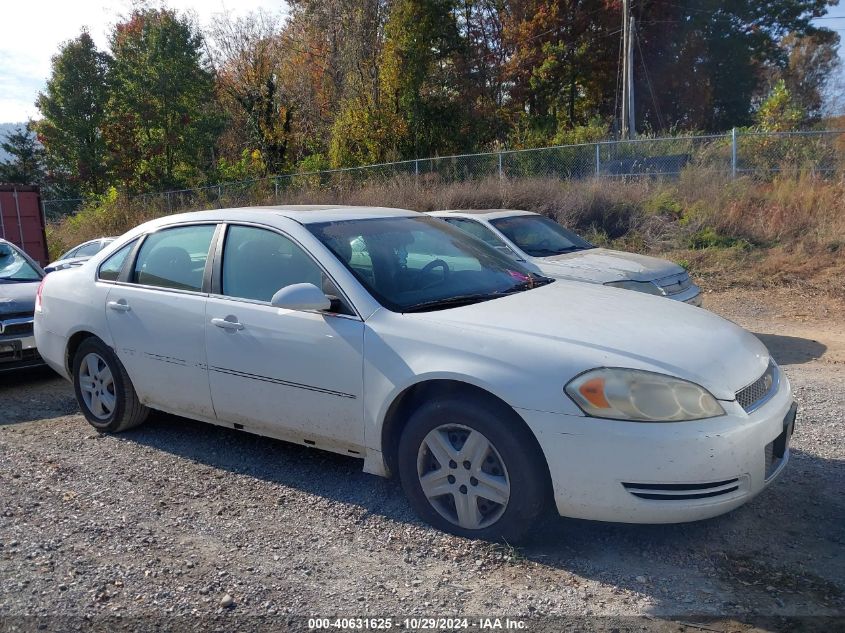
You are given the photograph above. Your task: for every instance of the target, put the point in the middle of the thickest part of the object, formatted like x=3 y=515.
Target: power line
x=648 y=81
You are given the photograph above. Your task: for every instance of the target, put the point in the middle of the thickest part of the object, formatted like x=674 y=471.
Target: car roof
x=303 y=214
x=488 y=214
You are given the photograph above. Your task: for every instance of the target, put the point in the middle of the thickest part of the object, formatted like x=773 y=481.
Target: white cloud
x=31 y=32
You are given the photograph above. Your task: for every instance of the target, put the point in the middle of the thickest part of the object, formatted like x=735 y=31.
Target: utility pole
x=625 y=15
x=632 y=112
x=628 y=124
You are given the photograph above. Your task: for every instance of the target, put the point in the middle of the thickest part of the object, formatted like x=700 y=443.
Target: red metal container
x=22 y=220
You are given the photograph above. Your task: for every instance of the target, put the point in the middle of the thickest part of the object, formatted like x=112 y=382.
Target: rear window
x=174 y=258
x=110 y=269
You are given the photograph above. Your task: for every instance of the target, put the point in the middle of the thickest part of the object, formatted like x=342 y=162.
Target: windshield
x=420 y=263
x=14 y=266
x=539 y=236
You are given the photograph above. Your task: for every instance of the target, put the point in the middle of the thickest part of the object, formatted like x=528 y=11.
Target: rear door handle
x=226 y=324
x=119 y=306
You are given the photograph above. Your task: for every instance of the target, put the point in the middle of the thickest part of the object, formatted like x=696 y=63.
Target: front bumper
x=633 y=472
x=18 y=352
x=691 y=295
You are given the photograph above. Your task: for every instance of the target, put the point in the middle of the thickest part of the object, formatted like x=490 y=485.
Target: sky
x=31 y=32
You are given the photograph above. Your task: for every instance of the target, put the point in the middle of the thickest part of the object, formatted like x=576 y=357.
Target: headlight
x=639 y=286
x=643 y=396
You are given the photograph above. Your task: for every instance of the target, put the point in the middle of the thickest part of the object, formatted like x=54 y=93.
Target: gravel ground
x=181 y=518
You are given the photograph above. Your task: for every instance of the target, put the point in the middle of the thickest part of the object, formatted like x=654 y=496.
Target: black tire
x=524 y=466
x=127 y=411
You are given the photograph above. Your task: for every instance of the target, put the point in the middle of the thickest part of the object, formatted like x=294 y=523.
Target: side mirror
x=301 y=297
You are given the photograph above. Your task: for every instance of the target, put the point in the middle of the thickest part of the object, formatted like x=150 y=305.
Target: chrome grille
x=16 y=324
x=675 y=284
x=755 y=394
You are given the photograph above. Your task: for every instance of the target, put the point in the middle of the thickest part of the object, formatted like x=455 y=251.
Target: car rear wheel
x=471 y=469
x=104 y=390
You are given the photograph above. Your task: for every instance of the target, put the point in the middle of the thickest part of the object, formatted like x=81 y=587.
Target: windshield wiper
x=534 y=282
x=546 y=252
x=463 y=300
x=454 y=302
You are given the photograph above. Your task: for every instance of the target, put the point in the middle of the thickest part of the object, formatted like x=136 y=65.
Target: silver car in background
x=79 y=254
x=552 y=250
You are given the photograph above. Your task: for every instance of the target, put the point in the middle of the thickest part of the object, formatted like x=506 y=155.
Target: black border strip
x=276 y=381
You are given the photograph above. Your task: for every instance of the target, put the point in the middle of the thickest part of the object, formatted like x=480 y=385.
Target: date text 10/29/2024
x=417 y=624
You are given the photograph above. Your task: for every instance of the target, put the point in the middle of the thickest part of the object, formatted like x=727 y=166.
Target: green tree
x=73 y=111
x=26 y=163
x=779 y=112
x=161 y=122
x=414 y=107
x=706 y=61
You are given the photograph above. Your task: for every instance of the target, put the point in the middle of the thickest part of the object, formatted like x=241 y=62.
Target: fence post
x=276 y=188
x=417 y=169
x=733 y=154
x=501 y=171
x=598 y=160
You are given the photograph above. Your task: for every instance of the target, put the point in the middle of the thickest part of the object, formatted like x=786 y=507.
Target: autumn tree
x=161 y=124
x=563 y=62
x=73 y=112
x=811 y=62
x=249 y=56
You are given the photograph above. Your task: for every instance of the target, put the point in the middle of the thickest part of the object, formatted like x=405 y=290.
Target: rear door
x=156 y=315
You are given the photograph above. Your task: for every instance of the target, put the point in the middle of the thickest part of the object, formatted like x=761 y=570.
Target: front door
x=287 y=373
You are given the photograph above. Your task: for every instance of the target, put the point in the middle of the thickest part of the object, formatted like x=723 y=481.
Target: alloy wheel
x=463 y=476
x=97 y=386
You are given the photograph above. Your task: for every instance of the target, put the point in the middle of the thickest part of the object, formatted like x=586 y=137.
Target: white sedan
x=546 y=247
x=488 y=389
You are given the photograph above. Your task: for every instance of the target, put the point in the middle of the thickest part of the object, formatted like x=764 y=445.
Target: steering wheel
x=430 y=266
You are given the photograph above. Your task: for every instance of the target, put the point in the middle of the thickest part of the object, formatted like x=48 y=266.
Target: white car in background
x=550 y=249
x=78 y=254
x=488 y=389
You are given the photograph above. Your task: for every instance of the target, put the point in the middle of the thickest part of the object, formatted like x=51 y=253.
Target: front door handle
x=119 y=306
x=229 y=323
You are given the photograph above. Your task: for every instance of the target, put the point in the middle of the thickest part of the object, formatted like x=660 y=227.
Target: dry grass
x=787 y=232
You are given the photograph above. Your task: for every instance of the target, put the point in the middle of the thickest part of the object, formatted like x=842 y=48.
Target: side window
x=88 y=250
x=476 y=229
x=174 y=258
x=110 y=269
x=257 y=263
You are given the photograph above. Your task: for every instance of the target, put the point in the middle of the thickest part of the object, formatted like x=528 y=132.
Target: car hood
x=594 y=326
x=601 y=265
x=68 y=261
x=17 y=297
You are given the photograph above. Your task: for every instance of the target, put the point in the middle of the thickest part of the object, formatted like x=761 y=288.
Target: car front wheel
x=104 y=390
x=471 y=469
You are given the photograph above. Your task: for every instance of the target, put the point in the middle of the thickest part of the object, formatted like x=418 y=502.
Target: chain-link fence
x=760 y=155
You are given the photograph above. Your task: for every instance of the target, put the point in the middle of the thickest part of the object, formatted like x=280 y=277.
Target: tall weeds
x=790 y=230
